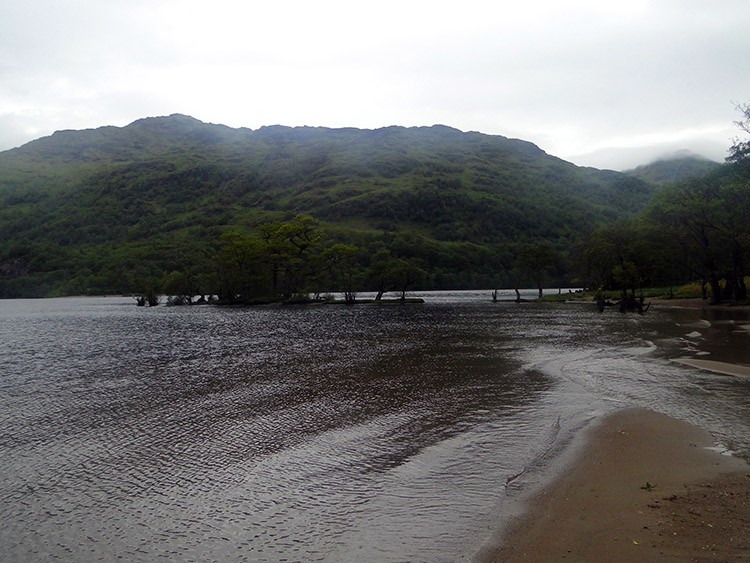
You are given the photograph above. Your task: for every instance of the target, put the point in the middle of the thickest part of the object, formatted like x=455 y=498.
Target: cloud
x=573 y=77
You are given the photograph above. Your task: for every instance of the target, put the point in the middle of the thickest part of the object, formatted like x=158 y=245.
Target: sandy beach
x=644 y=487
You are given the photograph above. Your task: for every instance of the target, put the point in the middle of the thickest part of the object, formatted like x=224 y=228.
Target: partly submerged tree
x=289 y=245
x=240 y=266
x=536 y=263
x=618 y=257
x=406 y=273
x=594 y=260
x=276 y=264
x=379 y=274
x=340 y=263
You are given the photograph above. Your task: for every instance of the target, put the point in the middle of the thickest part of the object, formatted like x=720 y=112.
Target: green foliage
x=740 y=151
x=288 y=246
x=406 y=274
x=340 y=263
x=689 y=290
x=692 y=230
x=536 y=263
x=109 y=210
x=239 y=269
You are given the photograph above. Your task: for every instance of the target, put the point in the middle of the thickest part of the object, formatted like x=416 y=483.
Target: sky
x=603 y=83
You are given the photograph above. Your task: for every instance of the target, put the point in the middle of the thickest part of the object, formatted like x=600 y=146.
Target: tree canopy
x=177 y=206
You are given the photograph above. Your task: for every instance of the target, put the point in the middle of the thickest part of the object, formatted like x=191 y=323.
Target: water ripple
x=387 y=433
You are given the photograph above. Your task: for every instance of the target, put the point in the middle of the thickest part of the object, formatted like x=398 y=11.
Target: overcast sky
x=601 y=83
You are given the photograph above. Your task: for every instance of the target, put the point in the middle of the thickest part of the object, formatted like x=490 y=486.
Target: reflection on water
x=318 y=433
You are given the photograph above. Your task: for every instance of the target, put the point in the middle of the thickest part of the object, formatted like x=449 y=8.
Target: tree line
x=286 y=261
x=697 y=230
x=692 y=231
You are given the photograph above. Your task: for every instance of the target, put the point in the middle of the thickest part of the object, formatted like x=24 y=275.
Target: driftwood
x=518 y=299
x=628 y=303
x=149 y=299
x=603 y=303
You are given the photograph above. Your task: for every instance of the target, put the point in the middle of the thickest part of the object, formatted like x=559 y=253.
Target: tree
x=181 y=287
x=619 y=256
x=516 y=276
x=341 y=264
x=240 y=268
x=288 y=249
x=595 y=258
x=405 y=274
x=536 y=263
x=740 y=150
x=707 y=219
x=736 y=196
x=662 y=263
x=186 y=283
x=733 y=217
x=150 y=297
x=628 y=276
x=379 y=273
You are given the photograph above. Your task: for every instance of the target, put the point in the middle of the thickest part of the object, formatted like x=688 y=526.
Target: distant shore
x=644 y=487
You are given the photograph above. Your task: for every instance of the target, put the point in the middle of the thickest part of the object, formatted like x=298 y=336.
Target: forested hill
x=101 y=210
x=679 y=166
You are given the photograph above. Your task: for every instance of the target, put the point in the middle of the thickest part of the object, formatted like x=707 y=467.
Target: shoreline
x=642 y=487
x=724 y=368
x=697 y=303
x=677 y=302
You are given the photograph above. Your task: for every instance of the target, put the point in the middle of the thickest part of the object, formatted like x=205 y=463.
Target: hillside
x=679 y=166
x=98 y=210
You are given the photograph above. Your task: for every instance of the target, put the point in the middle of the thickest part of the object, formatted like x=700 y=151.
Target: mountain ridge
x=674 y=167
x=115 y=203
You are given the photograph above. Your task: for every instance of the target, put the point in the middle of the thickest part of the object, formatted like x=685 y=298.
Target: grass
x=688 y=291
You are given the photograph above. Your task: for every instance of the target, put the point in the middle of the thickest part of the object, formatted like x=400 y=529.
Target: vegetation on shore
x=108 y=210
x=688 y=291
x=174 y=206
x=693 y=231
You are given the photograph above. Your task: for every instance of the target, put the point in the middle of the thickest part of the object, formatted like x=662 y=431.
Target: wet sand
x=716 y=366
x=644 y=487
x=697 y=303
x=688 y=303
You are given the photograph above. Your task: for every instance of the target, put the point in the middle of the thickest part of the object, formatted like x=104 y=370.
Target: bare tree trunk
x=713 y=281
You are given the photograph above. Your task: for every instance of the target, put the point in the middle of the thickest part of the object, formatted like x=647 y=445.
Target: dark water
x=320 y=433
